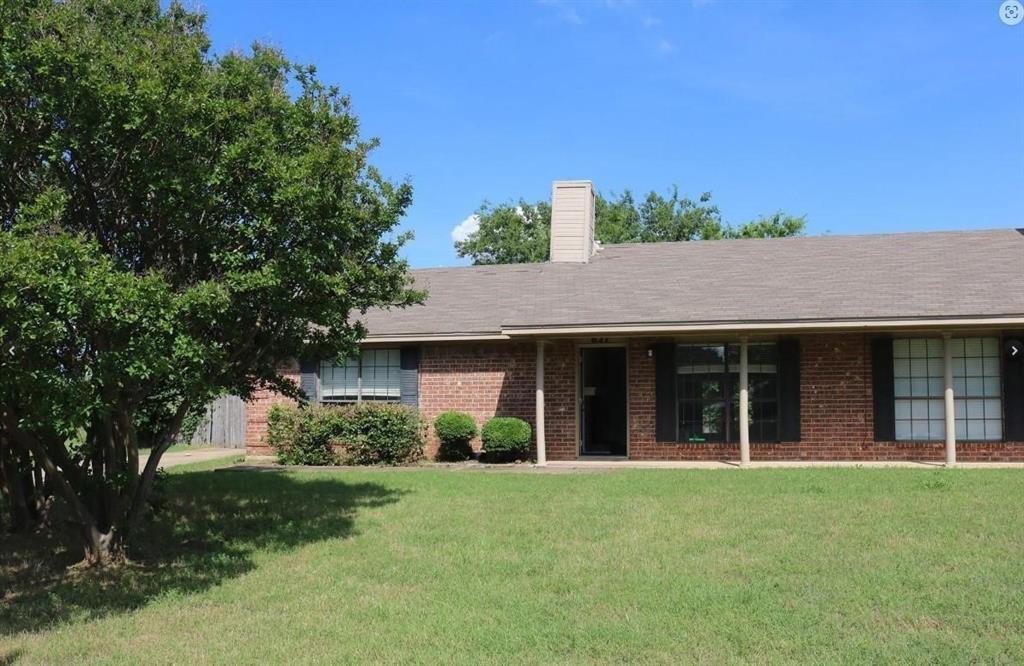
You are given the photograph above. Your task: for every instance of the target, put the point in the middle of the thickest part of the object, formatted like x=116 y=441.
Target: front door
x=603 y=401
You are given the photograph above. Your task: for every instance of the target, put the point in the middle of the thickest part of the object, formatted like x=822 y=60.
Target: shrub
x=366 y=434
x=382 y=434
x=505 y=438
x=455 y=431
x=305 y=435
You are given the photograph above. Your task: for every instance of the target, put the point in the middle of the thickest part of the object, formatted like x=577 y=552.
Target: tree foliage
x=173 y=226
x=509 y=234
x=519 y=233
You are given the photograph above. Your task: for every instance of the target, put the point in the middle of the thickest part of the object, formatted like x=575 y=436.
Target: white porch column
x=950 y=402
x=744 y=406
x=542 y=454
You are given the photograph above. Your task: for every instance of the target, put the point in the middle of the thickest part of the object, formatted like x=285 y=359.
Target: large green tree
x=174 y=225
x=518 y=232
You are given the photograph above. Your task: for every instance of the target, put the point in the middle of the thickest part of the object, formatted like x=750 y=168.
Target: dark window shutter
x=1013 y=400
x=410 y=376
x=789 y=390
x=666 y=419
x=882 y=390
x=307 y=381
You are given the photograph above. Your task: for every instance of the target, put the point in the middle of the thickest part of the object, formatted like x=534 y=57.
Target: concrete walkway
x=193 y=456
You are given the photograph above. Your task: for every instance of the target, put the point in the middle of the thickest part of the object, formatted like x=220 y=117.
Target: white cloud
x=650 y=21
x=570 y=15
x=466 y=228
x=665 y=46
x=566 y=12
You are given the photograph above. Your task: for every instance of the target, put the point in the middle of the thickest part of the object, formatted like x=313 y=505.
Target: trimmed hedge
x=382 y=434
x=304 y=435
x=364 y=434
x=506 y=438
x=455 y=431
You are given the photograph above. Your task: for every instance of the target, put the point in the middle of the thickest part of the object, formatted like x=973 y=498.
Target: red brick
x=497 y=379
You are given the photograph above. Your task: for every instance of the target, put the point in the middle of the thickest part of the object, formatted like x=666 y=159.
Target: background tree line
x=515 y=233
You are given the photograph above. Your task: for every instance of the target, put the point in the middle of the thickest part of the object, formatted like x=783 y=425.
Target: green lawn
x=436 y=566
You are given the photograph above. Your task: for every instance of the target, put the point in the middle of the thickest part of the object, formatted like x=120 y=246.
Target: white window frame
x=392 y=386
x=918 y=386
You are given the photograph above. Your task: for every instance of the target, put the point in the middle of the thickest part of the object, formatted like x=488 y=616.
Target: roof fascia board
x=805 y=325
x=433 y=337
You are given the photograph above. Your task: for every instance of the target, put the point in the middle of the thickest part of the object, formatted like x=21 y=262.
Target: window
x=701 y=370
x=918 y=387
x=374 y=375
x=707 y=374
x=919 y=383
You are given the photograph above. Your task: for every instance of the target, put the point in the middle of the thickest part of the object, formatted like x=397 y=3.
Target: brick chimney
x=572 y=221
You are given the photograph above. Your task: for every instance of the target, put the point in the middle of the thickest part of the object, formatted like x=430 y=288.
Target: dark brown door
x=603 y=401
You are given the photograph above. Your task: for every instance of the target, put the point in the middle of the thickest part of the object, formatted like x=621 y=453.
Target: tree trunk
x=18 y=500
x=101 y=548
x=17 y=487
x=106 y=507
x=144 y=482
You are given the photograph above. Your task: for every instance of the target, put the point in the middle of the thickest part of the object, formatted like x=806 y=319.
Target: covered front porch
x=738 y=399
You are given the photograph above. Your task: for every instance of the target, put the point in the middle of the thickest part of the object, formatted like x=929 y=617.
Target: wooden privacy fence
x=223 y=424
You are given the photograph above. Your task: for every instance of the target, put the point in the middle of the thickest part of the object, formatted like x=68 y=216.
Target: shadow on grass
x=208 y=531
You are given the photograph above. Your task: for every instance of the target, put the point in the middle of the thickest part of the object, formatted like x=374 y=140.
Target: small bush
x=455 y=431
x=382 y=434
x=304 y=435
x=505 y=438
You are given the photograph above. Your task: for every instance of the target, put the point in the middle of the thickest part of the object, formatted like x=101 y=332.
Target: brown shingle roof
x=805 y=279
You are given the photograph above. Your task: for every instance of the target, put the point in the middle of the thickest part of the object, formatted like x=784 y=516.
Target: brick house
x=883 y=347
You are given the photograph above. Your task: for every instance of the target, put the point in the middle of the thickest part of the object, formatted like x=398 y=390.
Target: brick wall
x=483 y=380
x=256 y=414
x=560 y=424
x=836 y=414
x=497 y=379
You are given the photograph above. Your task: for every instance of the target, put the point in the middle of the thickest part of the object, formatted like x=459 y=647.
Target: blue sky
x=866 y=117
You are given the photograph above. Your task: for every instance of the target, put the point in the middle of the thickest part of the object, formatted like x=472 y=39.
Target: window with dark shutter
x=665 y=404
x=307 y=380
x=882 y=389
x=1013 y=397
x=789 y=390
x=410 y=384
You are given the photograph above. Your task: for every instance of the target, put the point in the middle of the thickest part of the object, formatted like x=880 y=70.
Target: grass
x=429 y=566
